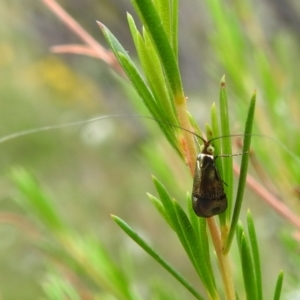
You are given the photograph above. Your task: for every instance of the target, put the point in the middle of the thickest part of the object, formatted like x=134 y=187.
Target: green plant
x=163 y=95
x=161 y=90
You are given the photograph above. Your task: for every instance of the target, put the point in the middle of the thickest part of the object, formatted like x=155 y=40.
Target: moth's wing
x=209 y=198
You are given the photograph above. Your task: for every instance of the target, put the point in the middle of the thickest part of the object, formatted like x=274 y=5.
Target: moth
x=208 y=194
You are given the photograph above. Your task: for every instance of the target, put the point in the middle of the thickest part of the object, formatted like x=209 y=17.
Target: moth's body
x=209 y=198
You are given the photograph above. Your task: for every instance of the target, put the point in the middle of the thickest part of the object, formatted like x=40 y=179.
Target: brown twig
x=92 y=48
x=19 y=221
x=269 y=198
x=260 y=171
x=75 y=49
x=223 y=259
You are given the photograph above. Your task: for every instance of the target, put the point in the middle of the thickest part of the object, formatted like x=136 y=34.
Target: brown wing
x=209 y=198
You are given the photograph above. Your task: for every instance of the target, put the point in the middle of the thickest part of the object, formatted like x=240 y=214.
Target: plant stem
x=271 y=199
x=223 y=259
x=188 y=143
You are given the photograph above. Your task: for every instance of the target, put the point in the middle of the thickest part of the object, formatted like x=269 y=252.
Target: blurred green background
x=100 y=168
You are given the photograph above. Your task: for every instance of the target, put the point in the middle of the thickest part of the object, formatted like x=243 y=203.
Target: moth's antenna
x=284 y=147
x=77 y=123
x=48 y=128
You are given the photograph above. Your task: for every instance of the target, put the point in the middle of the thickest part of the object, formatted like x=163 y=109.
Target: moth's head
x=207 y=148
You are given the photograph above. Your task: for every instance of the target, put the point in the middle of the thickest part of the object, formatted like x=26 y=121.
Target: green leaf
x=160 y=208
x=255 y=255
x=164 y=10
x=151 y=20
x=132 y=72
x=154 y=73
x=174 y=23
x=226 y=147
x=188 y=238
x=168 y=12
x=38 y=202
x=141 y=87
x=131 y=233
x=243 y=172
x=103 y=269
x=194 y=219
x=190 y=243
x=214 y=132
x=194 y=124
x=247 y=264
x=199 y=227
x=186 y=234
x=57 y=288
x=218 y=157
x=166 y=201
x=278 y=287
x=171 y=212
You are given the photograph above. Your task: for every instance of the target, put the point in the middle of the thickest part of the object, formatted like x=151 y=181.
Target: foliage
x=82 y=264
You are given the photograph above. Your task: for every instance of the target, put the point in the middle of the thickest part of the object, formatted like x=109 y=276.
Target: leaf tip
x=101 y=25
x=154 y=179
x=223 y=83
x=114 y=217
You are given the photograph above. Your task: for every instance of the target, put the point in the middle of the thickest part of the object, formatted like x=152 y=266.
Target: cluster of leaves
x=84 y=256
x=163 y=95
x=161 y=90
